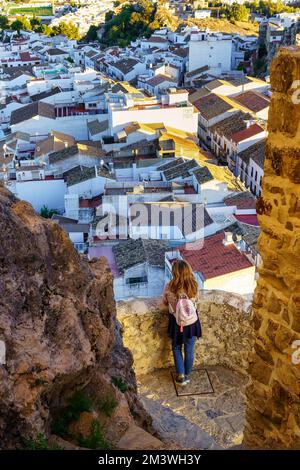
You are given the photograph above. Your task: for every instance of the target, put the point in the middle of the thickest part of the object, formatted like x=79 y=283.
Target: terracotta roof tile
x=214 y=258
x=211 y=106
x=253 y=101
x=247 y=133
x=242 y=200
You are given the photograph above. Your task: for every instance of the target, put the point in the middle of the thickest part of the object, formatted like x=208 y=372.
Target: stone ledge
x=227 y=335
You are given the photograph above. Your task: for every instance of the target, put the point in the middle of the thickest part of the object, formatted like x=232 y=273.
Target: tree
x=4 y=23
x=35 y=23
x=47 y=213
x=109 y=16
x=44 y=29
x=134 y=20
x=21 y=23
x=70 y=30
x=91 y=35
x=239 y=12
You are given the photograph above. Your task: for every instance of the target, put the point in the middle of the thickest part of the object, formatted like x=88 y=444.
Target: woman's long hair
x=183 y=281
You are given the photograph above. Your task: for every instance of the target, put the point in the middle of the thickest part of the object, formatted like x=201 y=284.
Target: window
x=136 y=280
x=251 y=172
x=260 y=181
x=255 y=176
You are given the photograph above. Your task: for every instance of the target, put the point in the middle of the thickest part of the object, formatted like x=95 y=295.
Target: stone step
x=172 y=427
x=136 y=438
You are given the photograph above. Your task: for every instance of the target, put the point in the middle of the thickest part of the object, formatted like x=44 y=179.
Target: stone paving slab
x=200 y=384
x=211 y=420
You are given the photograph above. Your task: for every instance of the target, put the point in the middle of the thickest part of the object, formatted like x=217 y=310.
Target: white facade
x=140 y=281
x=75 y=126
x=184 y=118
x=89 y=188
x=255 y=177
x=202 y=14
x=212 y=191
x=212 y=50
x=238 y=282
x=49 y=193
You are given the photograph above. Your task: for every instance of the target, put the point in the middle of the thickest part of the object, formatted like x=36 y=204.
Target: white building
x=172 y=110
x=200 y=14
x=39 y=193
x=140 y=268
x=210 y=49
x=218 y=264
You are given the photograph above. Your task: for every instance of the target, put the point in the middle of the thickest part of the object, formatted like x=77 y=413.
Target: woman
x=183 y=282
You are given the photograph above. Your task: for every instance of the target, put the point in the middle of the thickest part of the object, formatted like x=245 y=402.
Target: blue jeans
x=184 y=366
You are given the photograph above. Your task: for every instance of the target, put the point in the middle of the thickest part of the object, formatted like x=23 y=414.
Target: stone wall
x=273 y=414
x=226 y=338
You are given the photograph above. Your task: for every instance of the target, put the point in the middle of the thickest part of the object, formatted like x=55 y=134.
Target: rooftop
x=95 y=127
x=203 y=175
x=211 y=106
x=244 y=134
x=252 y=100
x=55 y=51
x=158 y=79
x=234 y=123
x=46 y=94
x=125 y=65
x=256 y=152
x=182 y=170
x=38 y=108
x=242 y=200
x=130 y=252
x=214 y=258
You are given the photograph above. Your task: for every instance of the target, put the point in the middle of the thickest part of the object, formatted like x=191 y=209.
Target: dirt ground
x=224 y=26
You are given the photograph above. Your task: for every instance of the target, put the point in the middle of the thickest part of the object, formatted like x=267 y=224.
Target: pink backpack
x=186 y=313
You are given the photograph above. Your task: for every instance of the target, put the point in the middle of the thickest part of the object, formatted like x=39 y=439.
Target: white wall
x=66 y=164
x=76 y=237
x=244 y=144
x=153 y=288
x=50 y=193
x=72 y=125
x=255 y=183
x=211 y=192
x=38 y=86
x=89 y=188
x=215 y=54
x=185 y=119
x=239 y=282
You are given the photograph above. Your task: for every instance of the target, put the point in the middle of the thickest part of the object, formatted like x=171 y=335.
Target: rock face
x=57 y=323
x=227 y=334
x=273 y=415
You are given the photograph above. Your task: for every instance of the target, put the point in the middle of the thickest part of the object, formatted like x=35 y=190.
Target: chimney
x=239 y=242
x=228 y=240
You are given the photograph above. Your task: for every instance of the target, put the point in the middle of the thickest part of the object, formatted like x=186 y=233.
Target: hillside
x=224 y=26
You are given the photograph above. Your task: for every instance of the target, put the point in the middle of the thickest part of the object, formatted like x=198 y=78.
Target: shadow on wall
x=227 y=335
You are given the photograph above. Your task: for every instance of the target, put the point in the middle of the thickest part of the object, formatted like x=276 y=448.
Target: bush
x=120 y=384
x=39 y=443
x=79 y=403
x=96 y=439
x=107 y=404
x=47 y=213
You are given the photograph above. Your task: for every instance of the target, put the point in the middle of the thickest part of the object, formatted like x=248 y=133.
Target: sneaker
x=180 y=380
x=187 y=379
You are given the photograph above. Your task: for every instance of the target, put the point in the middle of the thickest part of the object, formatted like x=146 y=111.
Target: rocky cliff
x=57 y=325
